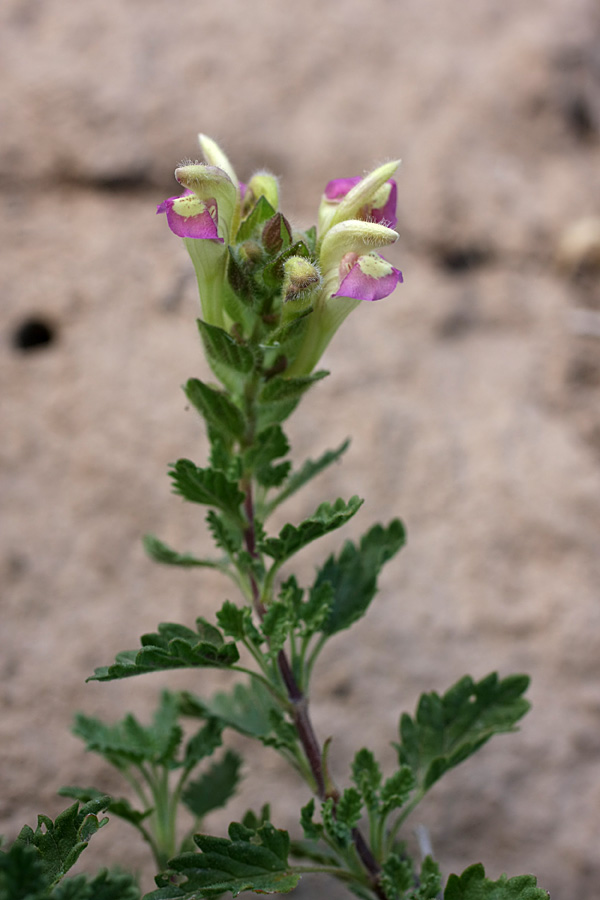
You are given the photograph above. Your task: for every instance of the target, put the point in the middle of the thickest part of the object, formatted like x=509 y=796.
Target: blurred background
x=471 y=394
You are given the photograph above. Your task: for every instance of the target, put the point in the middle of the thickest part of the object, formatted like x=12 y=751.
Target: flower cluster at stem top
x=264 y=281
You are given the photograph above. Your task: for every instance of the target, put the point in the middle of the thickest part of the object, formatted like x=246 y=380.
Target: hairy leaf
x=366 y=775
x=120 y=807
x=249 y=861
x=277 y=624
x=271 y=444
x=396 y=876
x=162 y=553
x=260 y=212
x=59 y=844
x=210 y=487
x=225 y=535
x=326 y=518
x=473 y=885
x=214 y=788
x=312 y=830
x=229 y=360
x=204 y=742
x=247 y=708
x=306 y=472
x=280 y=396
x=173 y=647
x=349 y=808
x=448 y=729
x=130 y=742
x=397 y=789
x=223 y=416
x=353 y=575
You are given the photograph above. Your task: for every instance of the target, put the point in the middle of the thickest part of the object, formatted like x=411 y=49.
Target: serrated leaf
x=225 y=535
x=292 y=538
x=349 y=808
x=312 y=830
x=246 y=708
x=59 y=844
x=130 y=742
x=204 y=742
x=473 y=885
x=214 y=788
x=230 y=361
x=173 y=647
x=115 y=885
x=396 y=876
x=306 y=472
x=430 y=879
x=366 y=775
x=277 y=624
x=223 y=416
x=260 y=212
x=396 y=790
x=353 y=575
x=336 y=829
x=270 y=444
x=210 y=487
x=448 y=729
x=21 y=874
x=317 y=608
x=117 y=807
x=231 y=619
x=249 y=861
x=161 y=553
x=280 y=396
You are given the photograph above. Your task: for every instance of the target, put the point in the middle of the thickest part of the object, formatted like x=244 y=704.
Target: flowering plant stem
x=272 y=298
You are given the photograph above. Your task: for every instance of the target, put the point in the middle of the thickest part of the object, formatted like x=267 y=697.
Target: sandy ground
x=471 y=395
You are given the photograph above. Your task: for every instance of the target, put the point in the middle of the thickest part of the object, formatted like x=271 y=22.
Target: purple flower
x=368 y=277
x=381 y=208
x=190 y=217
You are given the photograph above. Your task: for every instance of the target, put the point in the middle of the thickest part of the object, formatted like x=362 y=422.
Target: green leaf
x=473 y=885
x=312 y=830
x=173 y=647
x=214 y=788
x=366 y=775
x=306 y=472
x=21 y=874
x=208 y=486
x=271 y=444
x=204 y=742
x=246 y=708
x=396 y=790
x=430 y=879
x=316 y=610
x=396 y=876
x=230 y=361
x=59 y=844
x=339 y=831
x=231 y=619
x=249 y=861
x=223 y=416
x=114 y=885
x=353 y=575
x=130 y=742
x=276 y=625
x=260 y=212
x=120 y=807
x=161 y=553
x=326 y=518
x=273 y=272
x=225 y=536
x=448 y=729
x=280 y=396
x=349 y=808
